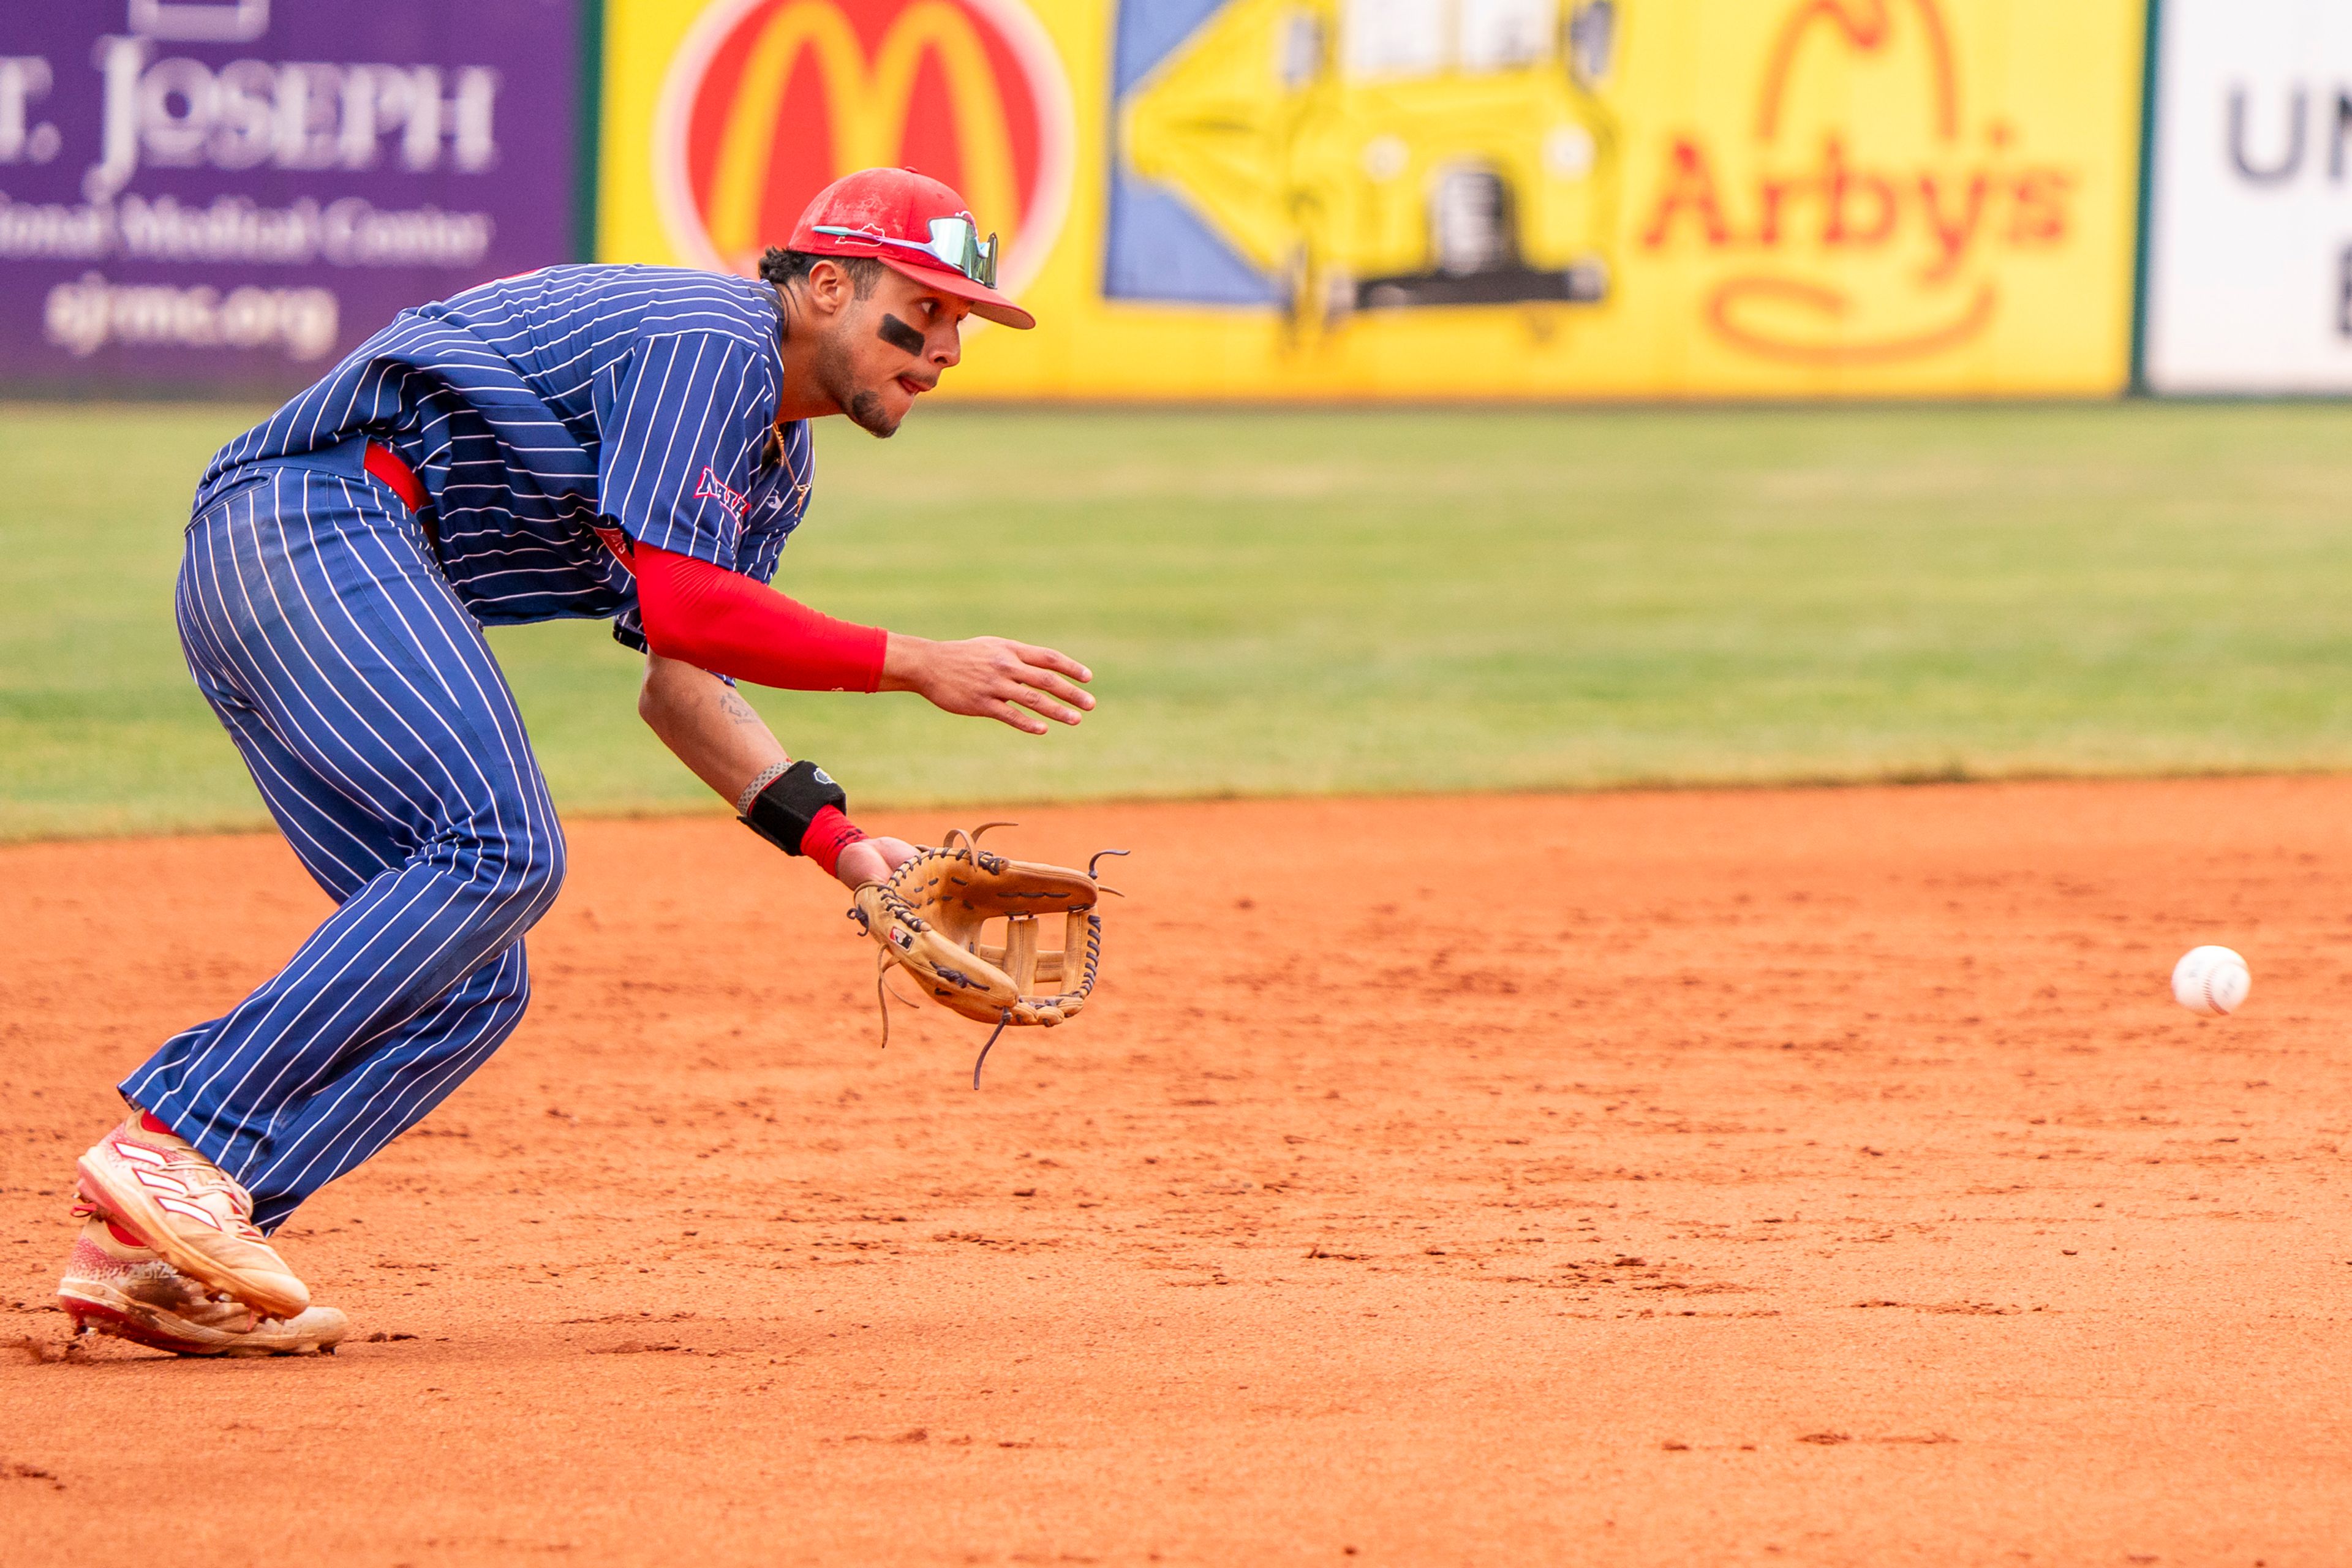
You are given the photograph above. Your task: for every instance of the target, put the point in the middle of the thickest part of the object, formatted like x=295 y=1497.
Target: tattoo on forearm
x=732 y=704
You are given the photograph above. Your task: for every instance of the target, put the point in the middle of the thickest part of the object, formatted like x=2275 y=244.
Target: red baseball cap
x=915 y=226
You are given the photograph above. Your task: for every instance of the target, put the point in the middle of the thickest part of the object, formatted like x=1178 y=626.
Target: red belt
x=385 y=465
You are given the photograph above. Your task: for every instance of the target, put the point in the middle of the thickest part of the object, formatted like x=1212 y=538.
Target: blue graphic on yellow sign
x=1331 y=156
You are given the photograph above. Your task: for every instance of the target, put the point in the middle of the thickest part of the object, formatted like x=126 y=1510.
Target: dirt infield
x=1813 y=1178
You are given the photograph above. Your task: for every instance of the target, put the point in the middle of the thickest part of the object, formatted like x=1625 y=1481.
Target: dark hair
x=780 y=267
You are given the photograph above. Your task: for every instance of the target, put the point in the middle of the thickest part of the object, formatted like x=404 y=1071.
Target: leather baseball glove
x=930 y=918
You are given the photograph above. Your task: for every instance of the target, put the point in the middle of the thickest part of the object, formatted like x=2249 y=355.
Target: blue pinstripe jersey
x=536 y=409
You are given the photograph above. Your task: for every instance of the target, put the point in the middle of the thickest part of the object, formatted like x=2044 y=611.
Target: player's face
x=889 y=348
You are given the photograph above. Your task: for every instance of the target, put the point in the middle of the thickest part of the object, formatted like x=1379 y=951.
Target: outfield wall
x=1418 y=198
x=209 y=197
x=1260 y=199
x=2249 y=283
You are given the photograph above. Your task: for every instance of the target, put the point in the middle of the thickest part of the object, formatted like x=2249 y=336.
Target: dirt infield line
x=1811 y=1177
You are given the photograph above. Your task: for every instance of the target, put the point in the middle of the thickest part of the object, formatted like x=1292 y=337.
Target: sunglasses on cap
x=955 y=243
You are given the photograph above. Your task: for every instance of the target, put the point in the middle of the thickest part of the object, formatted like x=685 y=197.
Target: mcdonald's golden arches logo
x=769 y=101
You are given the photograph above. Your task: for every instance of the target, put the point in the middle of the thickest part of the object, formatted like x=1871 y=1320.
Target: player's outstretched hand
x=872 y=860
x=1015 y=683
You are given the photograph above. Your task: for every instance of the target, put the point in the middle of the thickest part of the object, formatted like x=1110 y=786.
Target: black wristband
x=781 y=813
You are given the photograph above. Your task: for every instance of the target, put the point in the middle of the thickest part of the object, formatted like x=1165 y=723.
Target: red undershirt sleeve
x=723 y=622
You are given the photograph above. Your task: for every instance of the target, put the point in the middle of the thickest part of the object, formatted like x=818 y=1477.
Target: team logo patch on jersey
x=713 y=488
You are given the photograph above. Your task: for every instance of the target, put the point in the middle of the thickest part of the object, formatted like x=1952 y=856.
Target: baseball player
x=628 y=443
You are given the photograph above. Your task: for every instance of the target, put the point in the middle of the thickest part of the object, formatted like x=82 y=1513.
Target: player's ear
x=829 y=287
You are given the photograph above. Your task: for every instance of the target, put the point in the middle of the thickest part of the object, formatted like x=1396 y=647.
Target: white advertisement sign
x=2250 y=244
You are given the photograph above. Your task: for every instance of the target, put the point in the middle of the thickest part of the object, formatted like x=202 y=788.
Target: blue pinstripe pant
x=387 y=745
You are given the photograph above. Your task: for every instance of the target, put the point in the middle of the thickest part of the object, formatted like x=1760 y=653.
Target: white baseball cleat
x=115 y=1285
x=168 y=1197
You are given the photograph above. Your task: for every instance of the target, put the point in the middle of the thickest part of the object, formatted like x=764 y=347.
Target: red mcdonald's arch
x=766 y=102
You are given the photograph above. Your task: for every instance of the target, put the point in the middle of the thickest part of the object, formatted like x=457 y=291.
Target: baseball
x=2211 y=980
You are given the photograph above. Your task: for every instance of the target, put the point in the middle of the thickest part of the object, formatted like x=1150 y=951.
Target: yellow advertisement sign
x=1440 y=198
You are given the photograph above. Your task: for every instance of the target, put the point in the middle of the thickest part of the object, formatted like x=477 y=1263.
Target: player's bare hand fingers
x=1036 y=702
x=1052 y=658
x=1006 y=708
x=862 y=863
x=1045 y=680
x=1038 y=691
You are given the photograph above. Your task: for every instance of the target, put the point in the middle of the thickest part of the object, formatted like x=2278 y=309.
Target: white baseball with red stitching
x=2211 y=981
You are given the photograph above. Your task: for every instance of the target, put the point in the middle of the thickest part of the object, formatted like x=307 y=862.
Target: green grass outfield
x=1391 y=601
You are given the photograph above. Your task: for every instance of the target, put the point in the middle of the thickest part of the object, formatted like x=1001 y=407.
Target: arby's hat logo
x=769 y=101
x=1854 y=246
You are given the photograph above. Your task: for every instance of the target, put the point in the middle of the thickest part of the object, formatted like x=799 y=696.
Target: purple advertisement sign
x=201 y=197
